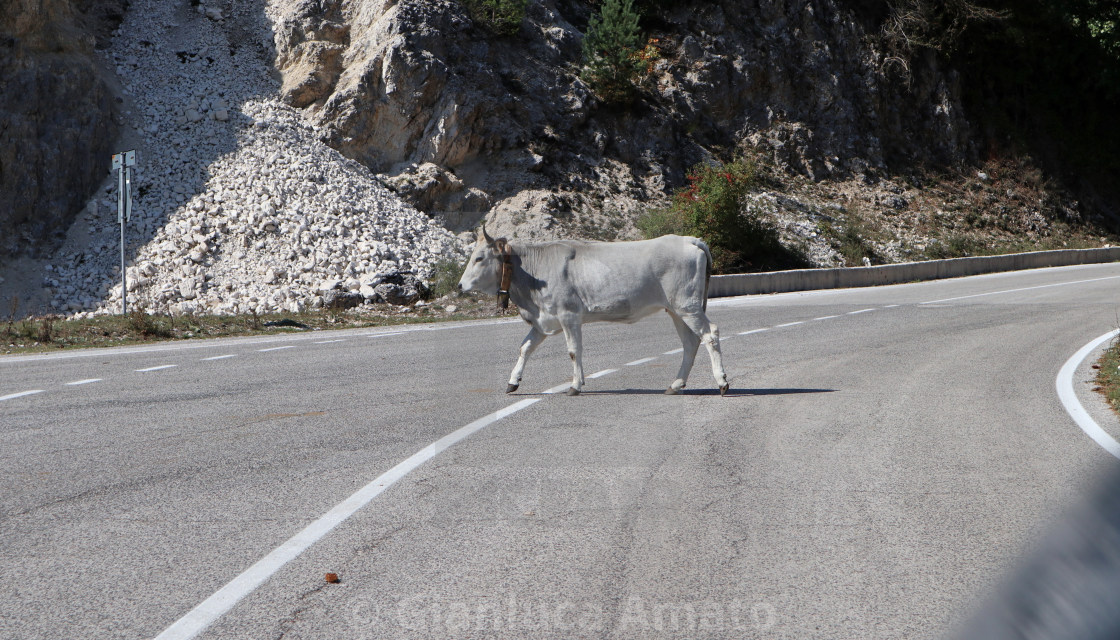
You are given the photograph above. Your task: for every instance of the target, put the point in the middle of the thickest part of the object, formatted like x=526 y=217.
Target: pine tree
x=609 y=47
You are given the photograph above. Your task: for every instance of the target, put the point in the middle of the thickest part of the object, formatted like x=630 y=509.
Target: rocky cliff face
x=56 y=117
x=463 y=122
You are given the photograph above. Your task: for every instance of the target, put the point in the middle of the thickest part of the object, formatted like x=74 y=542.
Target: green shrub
x=502 y=17
x=612 y=51
x=445 y=276
x=851 y=240
x=712 y=208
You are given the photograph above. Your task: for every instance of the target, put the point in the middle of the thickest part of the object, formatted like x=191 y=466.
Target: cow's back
x=628 y=280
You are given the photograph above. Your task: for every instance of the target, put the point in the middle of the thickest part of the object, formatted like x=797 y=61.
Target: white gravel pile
x=238 y=205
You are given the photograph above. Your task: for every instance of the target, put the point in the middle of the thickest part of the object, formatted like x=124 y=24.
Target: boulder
x=342 y=299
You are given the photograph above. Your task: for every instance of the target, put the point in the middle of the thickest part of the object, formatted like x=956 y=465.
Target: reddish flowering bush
x=712 y=208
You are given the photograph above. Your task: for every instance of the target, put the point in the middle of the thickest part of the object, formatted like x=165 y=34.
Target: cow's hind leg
x=690 y=342
x=528 y=346
x=573 y=333
x=709 y=337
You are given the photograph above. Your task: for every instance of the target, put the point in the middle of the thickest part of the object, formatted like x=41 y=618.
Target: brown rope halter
x=506 y=251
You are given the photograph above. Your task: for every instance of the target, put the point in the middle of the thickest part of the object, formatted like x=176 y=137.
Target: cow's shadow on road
x=731 y=393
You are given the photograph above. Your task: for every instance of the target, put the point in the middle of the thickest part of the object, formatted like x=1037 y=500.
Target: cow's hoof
x=511 y=388
x=723 y=389
x=572 y=391
x=672 y=392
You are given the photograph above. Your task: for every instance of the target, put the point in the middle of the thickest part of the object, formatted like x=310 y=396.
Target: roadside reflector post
x=123 y=163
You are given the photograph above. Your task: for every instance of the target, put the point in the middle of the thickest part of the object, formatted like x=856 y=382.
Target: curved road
x=883 y=457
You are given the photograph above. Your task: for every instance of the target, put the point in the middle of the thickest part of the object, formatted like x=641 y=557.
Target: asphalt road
x=883 y=457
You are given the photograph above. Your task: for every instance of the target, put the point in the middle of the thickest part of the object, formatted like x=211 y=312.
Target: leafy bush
x=445 y=276
x=502 y=17
x=712 y=208
x=612 y=53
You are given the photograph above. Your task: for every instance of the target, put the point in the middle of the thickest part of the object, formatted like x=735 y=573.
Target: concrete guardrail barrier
x=845 y=277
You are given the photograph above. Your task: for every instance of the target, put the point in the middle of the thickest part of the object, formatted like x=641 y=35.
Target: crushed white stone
x=238 y=206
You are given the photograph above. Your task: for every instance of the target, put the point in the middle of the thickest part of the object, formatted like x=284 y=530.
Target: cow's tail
x=707 y=269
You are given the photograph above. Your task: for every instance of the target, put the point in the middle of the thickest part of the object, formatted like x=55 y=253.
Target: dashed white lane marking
x=21 y=394
x=825 y=318
x=891 y=306
x=162 y=366
x=600 y=374
x=1073 y=406
x=1041 y=286
x=330 y=341
x=228 y=355
x=789 y=324
x=218 y=604
x=638 y=362
x=674 y=352
x=80 y=382
x=853 y=313
x=744 y=333
x=383 y=335
x=287 y=346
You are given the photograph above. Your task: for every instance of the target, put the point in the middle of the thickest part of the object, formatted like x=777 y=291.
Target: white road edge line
x=162 y=366
x=1073 y=406
x=20 y=394
x=86 y=381
x=202 y=616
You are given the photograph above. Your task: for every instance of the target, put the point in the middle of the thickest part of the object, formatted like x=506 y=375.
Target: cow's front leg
x=573 y=333
x=533 y=340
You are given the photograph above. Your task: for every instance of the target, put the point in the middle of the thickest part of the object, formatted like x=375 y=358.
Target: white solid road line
x=20 y=394
x=79 y=382
x=1041 y=286
x=162 y=366
x=1073 y=406
x=195 y=621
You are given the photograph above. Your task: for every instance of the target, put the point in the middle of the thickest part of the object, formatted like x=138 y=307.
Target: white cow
x=558 y=286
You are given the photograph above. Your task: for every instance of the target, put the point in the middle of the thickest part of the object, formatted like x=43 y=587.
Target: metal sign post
x=123 y=163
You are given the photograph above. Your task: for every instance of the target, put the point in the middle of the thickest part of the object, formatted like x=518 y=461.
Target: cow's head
x=484 y=269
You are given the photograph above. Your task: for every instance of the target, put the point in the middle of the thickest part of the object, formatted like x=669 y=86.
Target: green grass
x=1108 y=375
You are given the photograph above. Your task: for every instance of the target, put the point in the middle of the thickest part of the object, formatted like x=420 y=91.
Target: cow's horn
x=485 y=236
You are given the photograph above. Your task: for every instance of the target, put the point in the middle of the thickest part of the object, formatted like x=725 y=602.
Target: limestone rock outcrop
x=414 y=88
